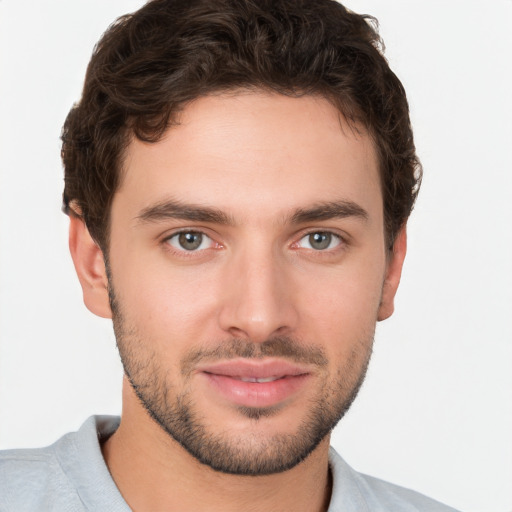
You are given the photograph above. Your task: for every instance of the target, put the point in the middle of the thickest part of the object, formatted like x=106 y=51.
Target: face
x=247 y=270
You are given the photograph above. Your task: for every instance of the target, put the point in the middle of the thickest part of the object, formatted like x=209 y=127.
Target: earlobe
x=90 y=268
x=393 y=274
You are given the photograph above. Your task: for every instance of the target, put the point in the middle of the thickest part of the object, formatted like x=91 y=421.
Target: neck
x=153 y=472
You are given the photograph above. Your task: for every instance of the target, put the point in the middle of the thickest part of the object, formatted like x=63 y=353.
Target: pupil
x=190 y=241
x=320 y=241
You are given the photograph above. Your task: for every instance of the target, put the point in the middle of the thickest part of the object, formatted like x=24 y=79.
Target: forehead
x=254 y=149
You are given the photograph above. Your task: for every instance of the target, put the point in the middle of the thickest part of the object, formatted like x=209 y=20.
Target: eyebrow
x=329 y=210
x=177 y=210
x=195 y=213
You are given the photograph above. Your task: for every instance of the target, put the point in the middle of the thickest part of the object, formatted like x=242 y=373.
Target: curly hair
x=149 y=64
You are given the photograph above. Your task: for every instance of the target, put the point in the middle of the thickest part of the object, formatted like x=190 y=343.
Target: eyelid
x=342 y=239
x=169 y=233
x=182 y=251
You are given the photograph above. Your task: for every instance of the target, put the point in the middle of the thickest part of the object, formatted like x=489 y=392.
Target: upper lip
x=261 y=369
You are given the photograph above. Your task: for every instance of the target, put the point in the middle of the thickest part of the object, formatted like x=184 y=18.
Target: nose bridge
x=258 y=304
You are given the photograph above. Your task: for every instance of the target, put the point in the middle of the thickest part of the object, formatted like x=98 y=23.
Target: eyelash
x=341 y=244
x=189 y=253
x=182 y=252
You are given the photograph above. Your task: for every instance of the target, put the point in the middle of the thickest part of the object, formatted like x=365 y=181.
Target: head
x=239 y=175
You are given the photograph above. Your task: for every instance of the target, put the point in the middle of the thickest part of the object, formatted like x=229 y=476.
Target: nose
x=258 y=299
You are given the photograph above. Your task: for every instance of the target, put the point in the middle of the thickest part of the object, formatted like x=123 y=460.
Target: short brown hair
x=149 y=64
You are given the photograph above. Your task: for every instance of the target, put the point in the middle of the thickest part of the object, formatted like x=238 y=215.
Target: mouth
x=254 y=384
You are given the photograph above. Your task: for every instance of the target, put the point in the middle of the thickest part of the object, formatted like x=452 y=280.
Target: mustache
x=280 y=346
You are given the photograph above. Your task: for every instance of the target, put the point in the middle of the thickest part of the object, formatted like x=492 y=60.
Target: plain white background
x=435 y=413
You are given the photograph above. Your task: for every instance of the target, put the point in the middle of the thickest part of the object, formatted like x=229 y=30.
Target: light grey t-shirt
x=71 y=476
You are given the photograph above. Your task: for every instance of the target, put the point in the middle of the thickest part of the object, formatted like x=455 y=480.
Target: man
x=238 y=176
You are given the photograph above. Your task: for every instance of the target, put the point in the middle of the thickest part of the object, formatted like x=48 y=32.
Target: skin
x=259 y=159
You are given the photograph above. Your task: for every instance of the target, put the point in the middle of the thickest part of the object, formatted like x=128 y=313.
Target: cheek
x=163 y=301
x=343 y=312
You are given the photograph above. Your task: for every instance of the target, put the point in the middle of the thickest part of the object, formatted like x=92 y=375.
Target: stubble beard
x=253 y=453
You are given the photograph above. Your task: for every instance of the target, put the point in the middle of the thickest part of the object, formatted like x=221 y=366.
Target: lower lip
x=256 y=394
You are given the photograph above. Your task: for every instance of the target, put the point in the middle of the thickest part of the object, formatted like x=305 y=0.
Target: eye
x=190 y=241
x=320 y=241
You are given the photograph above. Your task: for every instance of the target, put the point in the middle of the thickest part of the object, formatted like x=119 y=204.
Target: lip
x=257 y=384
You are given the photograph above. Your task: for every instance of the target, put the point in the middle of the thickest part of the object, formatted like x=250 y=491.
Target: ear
x=90 y=267
x=393 y=273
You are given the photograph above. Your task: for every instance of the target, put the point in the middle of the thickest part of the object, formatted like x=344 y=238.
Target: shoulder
x=34 y=480
x=63 y=476
x=399 y=497
x=359 y=492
